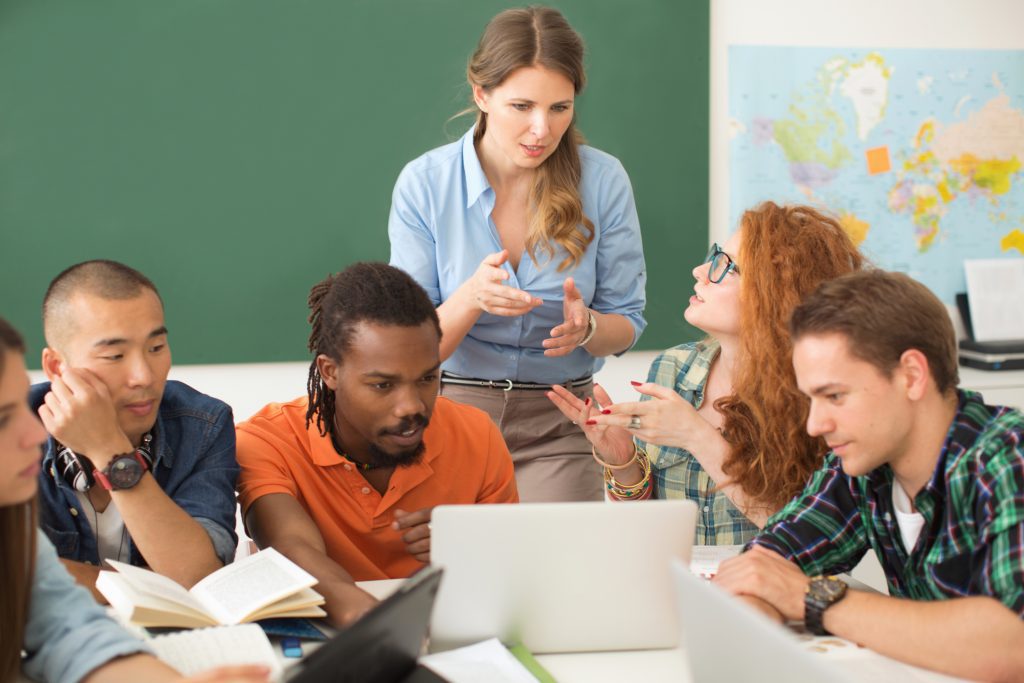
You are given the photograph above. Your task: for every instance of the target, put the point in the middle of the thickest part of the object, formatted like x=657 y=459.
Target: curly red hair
x=785 y=253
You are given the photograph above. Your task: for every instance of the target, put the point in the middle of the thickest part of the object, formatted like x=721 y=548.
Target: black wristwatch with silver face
x=822 y=593
x=123 y=472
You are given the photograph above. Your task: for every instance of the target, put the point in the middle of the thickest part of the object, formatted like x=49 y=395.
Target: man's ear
x=328 y=371
x=916 y=374
x=53 y=363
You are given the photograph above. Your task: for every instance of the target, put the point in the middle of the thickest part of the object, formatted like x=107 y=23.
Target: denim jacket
x=193 y=462
x=67 y=634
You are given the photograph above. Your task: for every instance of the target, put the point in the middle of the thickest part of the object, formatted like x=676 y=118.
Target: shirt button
x=348 y=468
x=74 y=512
x=366 y=489
x=707 y=509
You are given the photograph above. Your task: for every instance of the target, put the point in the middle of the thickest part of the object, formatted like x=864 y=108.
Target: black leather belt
x=509 y=385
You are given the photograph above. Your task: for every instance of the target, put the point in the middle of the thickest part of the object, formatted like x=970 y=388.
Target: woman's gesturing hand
x=666 y=420
x=613 y=444
x=566 y=337
x=491 y=295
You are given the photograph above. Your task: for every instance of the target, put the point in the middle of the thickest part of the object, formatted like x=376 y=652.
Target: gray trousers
x=551 y=455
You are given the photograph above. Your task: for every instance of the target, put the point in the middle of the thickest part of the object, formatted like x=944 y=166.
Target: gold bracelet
x=641 y=489
x=608 y=466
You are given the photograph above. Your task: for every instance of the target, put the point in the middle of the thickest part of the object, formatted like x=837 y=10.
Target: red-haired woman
x=721 y=420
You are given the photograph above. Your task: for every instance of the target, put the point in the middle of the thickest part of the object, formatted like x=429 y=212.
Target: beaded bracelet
x=641 y=489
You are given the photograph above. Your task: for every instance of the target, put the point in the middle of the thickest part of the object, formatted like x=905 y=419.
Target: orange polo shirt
x=465 y=461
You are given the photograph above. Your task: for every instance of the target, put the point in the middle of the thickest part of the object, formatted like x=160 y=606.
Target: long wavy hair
x=785 y=253
x=540 y=36
x=17 y=551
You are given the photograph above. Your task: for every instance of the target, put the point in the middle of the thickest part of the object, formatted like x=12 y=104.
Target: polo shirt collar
x=476 y=179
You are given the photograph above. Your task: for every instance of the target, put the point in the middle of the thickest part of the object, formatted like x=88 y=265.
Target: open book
x=263 y=585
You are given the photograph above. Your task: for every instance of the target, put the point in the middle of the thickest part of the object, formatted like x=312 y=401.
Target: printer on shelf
x=988 y=355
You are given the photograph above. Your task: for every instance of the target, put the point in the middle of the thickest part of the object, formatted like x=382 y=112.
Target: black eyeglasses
x=721 y=264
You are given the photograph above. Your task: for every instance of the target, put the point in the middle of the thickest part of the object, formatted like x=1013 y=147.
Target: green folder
x=527 y=659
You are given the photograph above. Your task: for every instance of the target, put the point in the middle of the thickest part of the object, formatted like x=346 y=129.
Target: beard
x=379 y=458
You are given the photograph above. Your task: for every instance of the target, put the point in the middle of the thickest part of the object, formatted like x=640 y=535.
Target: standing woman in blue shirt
x=64 y=634
x=529 y=244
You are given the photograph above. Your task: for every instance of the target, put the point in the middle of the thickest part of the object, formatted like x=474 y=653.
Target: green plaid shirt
x=972 y=542
x=677 y=474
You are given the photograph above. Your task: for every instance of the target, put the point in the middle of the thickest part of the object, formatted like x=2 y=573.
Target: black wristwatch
x=822 y=593
x=123 y=472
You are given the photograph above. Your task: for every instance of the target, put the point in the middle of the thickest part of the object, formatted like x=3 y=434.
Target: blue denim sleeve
x=621 y=270
x=208 y=493
x=68 y=635
x=413 y=247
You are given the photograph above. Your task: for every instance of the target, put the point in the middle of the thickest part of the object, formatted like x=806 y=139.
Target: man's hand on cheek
x=79 y=412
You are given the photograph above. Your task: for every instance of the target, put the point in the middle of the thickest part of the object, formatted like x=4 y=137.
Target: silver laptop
x=726 y=640
x=560 y=577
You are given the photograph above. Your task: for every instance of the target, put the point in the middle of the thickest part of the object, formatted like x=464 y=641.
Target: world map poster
x=920 y=153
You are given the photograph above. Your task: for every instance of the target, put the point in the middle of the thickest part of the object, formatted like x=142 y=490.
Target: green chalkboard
x=236 y=151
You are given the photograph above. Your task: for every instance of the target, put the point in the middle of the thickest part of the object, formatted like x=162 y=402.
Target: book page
x=995 y=292
x=150 y=583
x=302 y=604
x=134 y=605
x=236 y=591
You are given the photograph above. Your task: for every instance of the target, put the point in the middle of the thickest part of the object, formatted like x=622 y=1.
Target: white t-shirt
x=111 y=536
x=909 y=521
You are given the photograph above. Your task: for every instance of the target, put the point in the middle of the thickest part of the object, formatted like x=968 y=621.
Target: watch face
x=124 y=471
x=828 y=589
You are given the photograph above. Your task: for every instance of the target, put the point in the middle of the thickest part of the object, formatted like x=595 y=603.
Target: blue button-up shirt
x=441 y=229
x=193 y=462
x=67 y=634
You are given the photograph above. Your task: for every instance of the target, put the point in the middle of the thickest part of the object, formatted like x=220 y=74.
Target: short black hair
x=100 y=277
x=364 y=292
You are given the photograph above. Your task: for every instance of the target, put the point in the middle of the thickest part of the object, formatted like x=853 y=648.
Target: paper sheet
x=704 y=559
x=995 y=291
x=485 y=661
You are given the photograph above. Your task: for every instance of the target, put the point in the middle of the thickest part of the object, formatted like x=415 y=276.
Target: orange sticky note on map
x=878 y=160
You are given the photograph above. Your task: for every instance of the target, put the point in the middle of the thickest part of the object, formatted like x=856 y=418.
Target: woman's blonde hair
x=540 y=36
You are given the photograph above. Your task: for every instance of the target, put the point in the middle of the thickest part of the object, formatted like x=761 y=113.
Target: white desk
x=672 y=666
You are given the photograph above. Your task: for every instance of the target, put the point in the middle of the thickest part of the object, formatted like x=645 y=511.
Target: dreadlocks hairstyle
x=786 y=252
x=363 y=292
x=17 y=551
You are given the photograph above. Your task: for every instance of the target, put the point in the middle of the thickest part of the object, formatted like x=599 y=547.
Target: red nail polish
x=606 y=411
x=587 y=402
x=591 y=422
x=635 y=384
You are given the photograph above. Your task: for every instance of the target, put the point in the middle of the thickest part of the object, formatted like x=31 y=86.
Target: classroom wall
x=238 y=151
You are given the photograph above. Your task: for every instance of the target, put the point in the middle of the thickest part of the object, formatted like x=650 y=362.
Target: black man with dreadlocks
x=343 y=480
